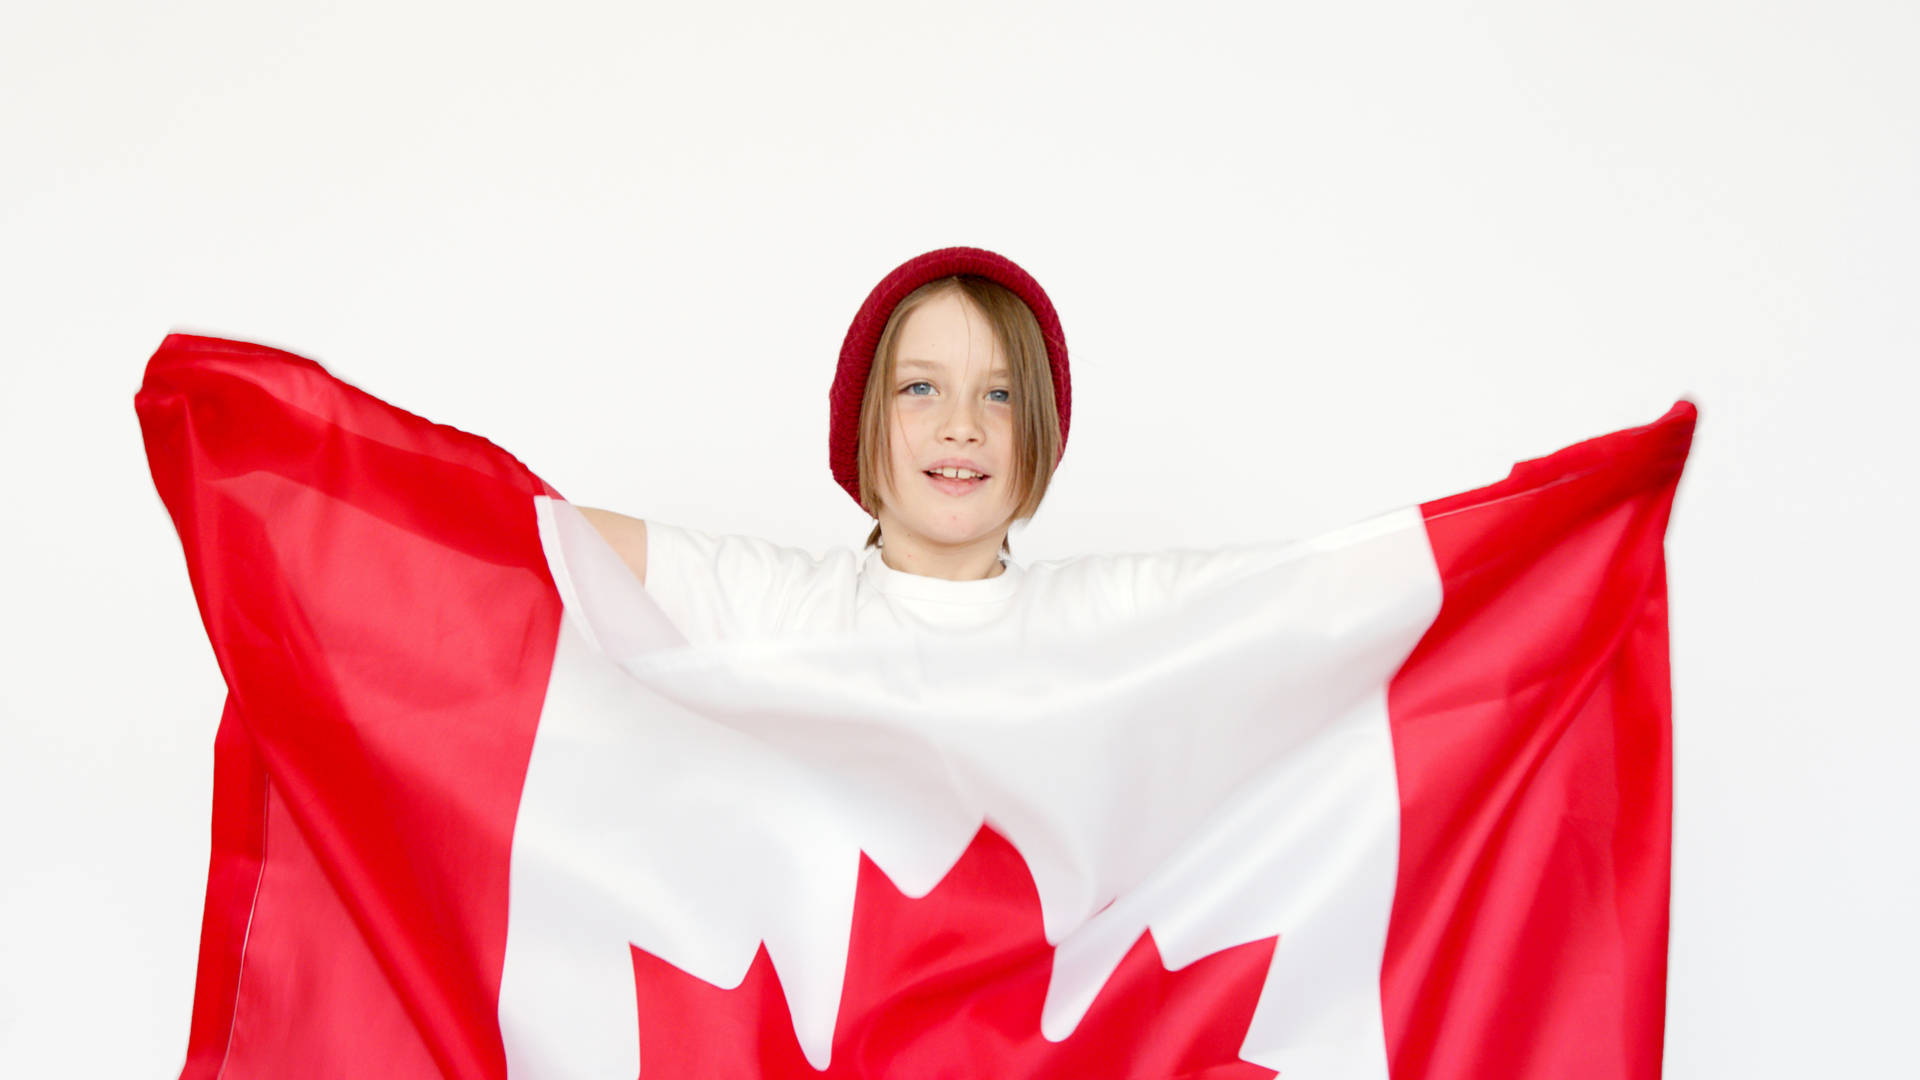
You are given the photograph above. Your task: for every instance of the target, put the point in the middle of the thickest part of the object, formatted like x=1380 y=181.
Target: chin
x=938 y=524
x=955 y=536
x=956 y=533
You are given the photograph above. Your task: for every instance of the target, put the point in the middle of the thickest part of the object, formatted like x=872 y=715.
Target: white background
x=1312 y=265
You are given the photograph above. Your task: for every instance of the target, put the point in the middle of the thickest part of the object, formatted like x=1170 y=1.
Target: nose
x=961 y=423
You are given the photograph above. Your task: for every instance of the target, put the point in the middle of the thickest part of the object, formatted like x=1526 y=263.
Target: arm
x=625 y=535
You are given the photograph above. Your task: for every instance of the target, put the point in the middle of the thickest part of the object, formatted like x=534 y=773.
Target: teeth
x=957 y=474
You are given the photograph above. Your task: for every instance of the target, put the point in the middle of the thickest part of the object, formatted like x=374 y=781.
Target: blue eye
x=1006 y=395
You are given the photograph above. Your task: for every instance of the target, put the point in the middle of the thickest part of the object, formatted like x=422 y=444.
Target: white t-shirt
x=715 y=588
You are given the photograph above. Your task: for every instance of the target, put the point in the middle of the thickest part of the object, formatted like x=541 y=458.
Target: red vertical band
x=338 y=548
x=1532 y=732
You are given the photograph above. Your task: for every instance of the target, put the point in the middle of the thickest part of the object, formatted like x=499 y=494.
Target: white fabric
x=1219 y=774
x=718 y=588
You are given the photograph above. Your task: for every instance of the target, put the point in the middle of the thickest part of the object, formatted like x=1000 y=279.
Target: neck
x=910 y=554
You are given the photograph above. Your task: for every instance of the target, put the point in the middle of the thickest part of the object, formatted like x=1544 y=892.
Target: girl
x=949 y=414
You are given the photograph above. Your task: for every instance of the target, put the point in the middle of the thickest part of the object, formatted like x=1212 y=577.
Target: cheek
x=897 y=434
x=901 y=442
x=1003 y=434
x=907 y=427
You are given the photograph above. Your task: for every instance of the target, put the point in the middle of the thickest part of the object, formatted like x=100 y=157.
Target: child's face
x=952 y=402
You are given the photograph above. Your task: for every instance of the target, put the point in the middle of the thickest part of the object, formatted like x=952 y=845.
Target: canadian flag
x=1394 y=802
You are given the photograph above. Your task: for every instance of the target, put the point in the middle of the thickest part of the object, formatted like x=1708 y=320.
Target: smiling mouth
x=954 y=486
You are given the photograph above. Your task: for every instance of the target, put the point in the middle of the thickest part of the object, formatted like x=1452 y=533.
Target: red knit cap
x=856 y=355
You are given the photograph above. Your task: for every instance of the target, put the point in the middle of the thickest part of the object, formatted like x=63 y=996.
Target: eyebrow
x=928 y=365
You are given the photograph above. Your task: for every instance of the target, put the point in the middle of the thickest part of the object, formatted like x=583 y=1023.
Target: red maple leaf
x=951 y=985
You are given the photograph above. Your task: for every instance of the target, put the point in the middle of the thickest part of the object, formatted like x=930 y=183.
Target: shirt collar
x=921 y=587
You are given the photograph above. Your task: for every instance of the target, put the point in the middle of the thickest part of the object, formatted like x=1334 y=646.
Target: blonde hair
x=1036 y=420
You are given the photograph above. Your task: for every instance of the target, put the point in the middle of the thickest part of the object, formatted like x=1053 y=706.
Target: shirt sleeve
x=718 y=587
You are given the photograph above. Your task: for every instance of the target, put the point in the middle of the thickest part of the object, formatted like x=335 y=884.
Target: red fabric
x=233 y=875
x=331 y=538
x=1531 y=732
x=863 y=336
